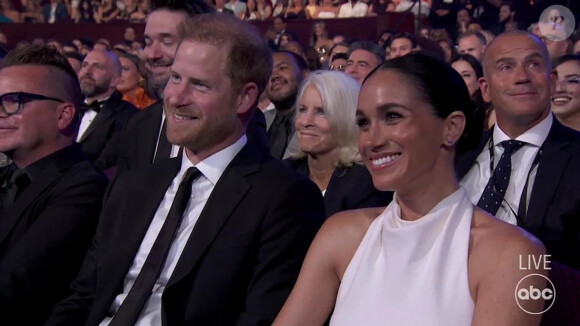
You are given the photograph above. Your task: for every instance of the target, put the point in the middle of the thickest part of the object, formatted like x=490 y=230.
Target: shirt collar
x=535 y=136
x=214 y=166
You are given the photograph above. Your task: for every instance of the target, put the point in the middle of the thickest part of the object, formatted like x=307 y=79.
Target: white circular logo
x=531 y=293
x=557 y=23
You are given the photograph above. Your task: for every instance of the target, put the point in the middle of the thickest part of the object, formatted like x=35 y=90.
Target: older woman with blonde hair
x=326 y=148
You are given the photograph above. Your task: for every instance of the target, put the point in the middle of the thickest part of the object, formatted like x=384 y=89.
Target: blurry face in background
x=97 y=75
x=284 y=40
x=129 y=34
x=425 y=33
x=318 y=29
x=566 y=100
x=471 y=45
x=285 y=79
x=279 y=25
x=468 y=73
x=130 y=77
x=447 y=50
x=161 y=42
x=400 y=47
x=360 y=63
x=504 y=14
x=463 y=17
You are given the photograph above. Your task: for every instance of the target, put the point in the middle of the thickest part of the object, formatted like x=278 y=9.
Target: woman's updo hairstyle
x=442 y=87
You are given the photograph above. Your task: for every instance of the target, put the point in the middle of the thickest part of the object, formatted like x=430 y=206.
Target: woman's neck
x=427 y=191
x=321 y=167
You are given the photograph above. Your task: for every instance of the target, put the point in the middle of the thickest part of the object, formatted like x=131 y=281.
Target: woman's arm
x=112 y=16
x=495 y=266
x=268 y=12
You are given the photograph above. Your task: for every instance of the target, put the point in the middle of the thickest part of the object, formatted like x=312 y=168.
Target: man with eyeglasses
x=50 y=195
x=526 y=169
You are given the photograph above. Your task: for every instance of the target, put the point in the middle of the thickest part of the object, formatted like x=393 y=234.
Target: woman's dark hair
x=476 y=97
x=443 y=88
x=565 y=58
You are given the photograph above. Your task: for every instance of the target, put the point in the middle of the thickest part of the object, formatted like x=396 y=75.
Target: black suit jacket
x=61 y=14
x=554 y=208
x=101 y=140
x=241 y=260
x=349 y=188
x=44 y=236
x=139 y=139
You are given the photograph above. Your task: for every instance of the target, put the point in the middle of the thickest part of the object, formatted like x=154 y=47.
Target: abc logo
x=531 y=293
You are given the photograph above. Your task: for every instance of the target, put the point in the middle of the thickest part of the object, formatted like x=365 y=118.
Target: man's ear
x=66 y=115
x=453 y=128
x=484 y=87
x=247 y=98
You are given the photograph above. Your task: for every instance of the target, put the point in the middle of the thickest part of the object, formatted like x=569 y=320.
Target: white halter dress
x=410 y=273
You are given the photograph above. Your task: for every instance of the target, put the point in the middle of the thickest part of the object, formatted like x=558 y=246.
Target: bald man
x=105 y=113
x=542 y=192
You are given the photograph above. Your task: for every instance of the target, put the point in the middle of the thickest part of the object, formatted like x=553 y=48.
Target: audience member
x=279 y=8
x=311 y=9
x=506 y=15
x=238 y=7
x=55 y=11
x=326 y=10
x=326 y=150
x=129 y=7
x=566 y=99
x=251 y=10
x=473 y=43
x=448 y=49
x=263 y=10
x=144 y=140
x=380 y=7
x=287 y=75
x=319 y=40
x=75 y=60
x=107 y=12
x=129 y=35
x=32 y=12
x=55 y=44
x=8 y=11
x=339 y=62
x=50 y=196
x=295 y=10
x=106 y=114
x=140 y=16
x=542 y=194
x=471 y=71
x=419 y=8
x=430 y=248
x=87 y=13
x=133 y=82
x=443 y=13
x=220 y=6
x=384 y=37
x=188 y=272
x=363 y=57
x=353 y=8
x=401 y=44
x=463 y=20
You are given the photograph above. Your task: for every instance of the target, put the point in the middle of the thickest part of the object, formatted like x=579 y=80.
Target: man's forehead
x=164 y=22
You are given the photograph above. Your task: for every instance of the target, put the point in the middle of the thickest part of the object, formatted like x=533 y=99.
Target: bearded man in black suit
x=216 y=236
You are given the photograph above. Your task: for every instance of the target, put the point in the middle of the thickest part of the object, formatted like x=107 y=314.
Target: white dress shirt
x=86 y=121
x=211 y=168
x=347 y=10
x=476 y=179
x=174 y=148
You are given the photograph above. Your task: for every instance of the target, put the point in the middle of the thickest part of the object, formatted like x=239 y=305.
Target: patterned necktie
x=494 y=191
x=140 y=292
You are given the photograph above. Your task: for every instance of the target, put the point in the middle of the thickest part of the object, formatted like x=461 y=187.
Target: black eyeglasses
x=11 y=103
x=337 y=67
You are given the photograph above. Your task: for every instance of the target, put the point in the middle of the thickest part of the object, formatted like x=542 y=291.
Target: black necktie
x=163 y=145
x=16 y=180
x=131 y=307
x=494 y=191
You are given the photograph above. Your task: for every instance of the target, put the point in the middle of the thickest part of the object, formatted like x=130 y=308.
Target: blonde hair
x=339 y=95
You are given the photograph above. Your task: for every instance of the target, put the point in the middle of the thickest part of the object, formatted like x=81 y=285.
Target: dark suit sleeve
x=108 y=156
x=40 y=266
x=127 y=146
x=256 y=131
x=75 y=309
x=287 y=231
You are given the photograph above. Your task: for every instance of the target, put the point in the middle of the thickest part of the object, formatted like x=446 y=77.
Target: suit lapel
x=552 y=164
x=134 y=221
x=147 y=133
x=15 y=211
x=101 y=118
x=226 y=196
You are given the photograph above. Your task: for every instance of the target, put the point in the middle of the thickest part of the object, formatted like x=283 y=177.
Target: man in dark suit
x=55 y=11
x=105 y=114
x=50 y=196
x=539 y=188
x=144 y=140
x=247 y=219
x=282 y=89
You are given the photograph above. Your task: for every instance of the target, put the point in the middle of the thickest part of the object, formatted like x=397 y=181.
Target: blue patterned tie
x=496 y=187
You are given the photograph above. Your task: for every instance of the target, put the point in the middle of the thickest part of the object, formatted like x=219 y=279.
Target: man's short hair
x=249 y=59
x=508 y=4
x=477 y=34
x=302 y=64
x=190 y=7
x=405 y=35
x=43 y=55
x=369 y=47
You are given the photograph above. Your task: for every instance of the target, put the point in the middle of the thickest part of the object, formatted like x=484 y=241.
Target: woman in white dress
x=430 y=257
